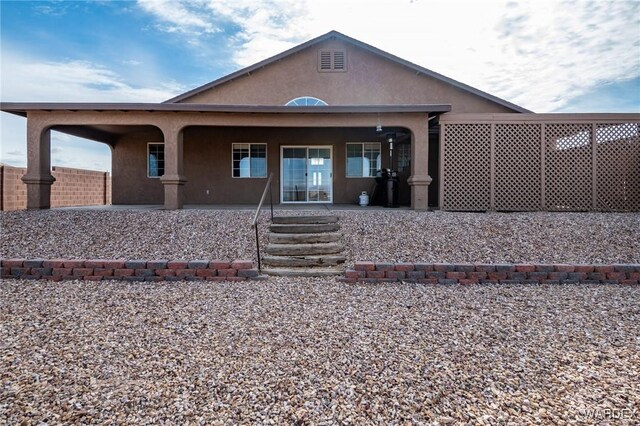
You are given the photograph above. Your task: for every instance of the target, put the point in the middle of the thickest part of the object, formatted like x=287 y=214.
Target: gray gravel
x=310 y=351
x=388 y=235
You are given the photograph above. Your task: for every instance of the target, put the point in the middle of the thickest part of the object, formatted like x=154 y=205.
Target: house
x=324 y=117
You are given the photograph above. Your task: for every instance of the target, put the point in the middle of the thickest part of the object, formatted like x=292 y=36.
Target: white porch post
x=420 y=179
x=173 y=178
x=38 y=177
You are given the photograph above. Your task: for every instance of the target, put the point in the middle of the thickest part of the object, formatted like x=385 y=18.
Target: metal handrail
x=255 y=218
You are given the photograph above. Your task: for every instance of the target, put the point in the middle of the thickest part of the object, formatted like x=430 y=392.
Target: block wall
x=73 y=187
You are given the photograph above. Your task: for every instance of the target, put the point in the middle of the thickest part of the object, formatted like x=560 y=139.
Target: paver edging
x=466 y=273
x=363 y=271
x=129 y=270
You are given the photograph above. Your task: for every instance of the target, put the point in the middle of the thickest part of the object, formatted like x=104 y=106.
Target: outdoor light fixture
x=379 y=125
x=391 y=137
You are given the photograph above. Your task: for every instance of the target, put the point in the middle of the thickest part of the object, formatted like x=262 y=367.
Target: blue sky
x=548 y=56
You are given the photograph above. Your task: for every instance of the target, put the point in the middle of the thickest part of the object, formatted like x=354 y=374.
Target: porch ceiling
x=101 y=132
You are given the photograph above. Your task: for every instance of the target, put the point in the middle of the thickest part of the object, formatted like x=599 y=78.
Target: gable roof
x=357 y=43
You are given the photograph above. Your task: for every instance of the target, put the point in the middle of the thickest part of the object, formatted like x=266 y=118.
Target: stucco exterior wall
x=129 y=164
x=208 y=160
x=369 y=79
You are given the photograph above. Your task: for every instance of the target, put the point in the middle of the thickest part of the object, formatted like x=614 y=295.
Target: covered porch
x=197 y=143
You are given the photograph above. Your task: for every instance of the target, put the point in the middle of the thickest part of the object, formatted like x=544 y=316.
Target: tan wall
x=130 y=182
x=369 y=79
x=14 y=191
x=208 y=164
x=73 y=187
x=77 y=187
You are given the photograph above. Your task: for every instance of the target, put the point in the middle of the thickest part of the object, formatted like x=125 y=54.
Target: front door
x=306 y=174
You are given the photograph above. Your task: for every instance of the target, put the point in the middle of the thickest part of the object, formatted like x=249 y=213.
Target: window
x=404 y=157
x=306 y=101
x=249 y=160
x=332 y=60
x=155 y=160
x=363 y=159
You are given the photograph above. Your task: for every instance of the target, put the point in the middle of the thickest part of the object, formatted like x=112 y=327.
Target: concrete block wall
x=73 y=187
x=13 y=192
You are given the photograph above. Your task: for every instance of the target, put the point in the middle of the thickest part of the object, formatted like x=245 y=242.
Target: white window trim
x=266 y=160
x=319 y=101
x=306 y=147
x=148 y=145
x=346 y=158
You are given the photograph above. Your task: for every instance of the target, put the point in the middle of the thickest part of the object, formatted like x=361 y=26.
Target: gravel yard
x=317 y=351
x=288 y=351
x=389 y=235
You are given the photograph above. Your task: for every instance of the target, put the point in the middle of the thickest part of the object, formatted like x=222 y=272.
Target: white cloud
x=69 y=151
x=27 y=80
x=267 y=27
x=176 y=17
x=539 y=54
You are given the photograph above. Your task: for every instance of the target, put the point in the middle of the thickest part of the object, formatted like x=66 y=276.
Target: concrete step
x=328 y=237
x=303 y=272
x=304 y=228
x=303 y=249
x=302 y=261
x=305 y=219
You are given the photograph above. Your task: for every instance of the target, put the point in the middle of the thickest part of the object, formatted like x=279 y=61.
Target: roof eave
x=23 y=108
x=251 y=68
x=362 y=45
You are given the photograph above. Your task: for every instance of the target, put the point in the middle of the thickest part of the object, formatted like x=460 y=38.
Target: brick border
x=128 y=270
x=467 y=273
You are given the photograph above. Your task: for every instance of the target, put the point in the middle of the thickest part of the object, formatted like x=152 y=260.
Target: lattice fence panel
x=618 y=166
x=568 y=171
x=517 y=167
x=466 y=167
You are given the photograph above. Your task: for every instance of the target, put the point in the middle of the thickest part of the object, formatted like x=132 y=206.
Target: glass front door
x=307 y=174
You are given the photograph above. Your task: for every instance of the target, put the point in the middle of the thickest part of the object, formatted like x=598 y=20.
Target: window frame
x=148 y=160
x=293 y=102
x=346 y=158
x=266 y=162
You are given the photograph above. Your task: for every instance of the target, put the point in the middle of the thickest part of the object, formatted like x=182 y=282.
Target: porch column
x=420 y=179
x=173 y=178
x=38 y=177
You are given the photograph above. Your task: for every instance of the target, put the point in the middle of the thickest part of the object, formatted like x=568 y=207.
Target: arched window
x=306 y=101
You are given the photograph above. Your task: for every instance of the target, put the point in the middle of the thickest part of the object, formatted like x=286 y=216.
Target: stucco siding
x=208 y=164
x=369 y=79
x=130 y=182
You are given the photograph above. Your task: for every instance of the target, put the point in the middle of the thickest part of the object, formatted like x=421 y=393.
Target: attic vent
x=332 y=60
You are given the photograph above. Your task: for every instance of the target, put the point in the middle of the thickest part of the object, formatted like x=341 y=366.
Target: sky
x=544 y=55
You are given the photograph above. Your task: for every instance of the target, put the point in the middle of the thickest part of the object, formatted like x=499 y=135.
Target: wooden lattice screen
x=528 y=166
x=618 y=166
x=467 y=186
